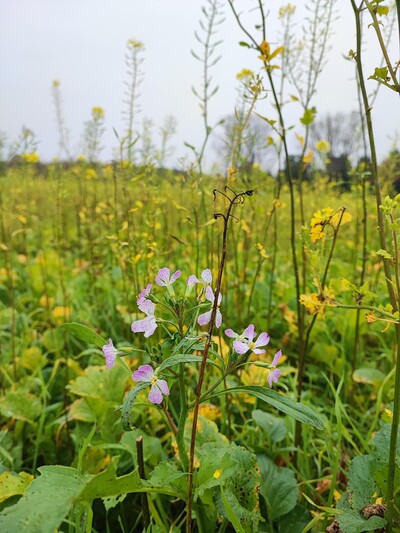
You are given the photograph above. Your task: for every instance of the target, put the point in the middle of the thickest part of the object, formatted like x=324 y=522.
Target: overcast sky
x=82 y=44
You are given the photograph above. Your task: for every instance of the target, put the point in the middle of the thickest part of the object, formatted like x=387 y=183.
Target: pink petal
x=210 y=294
x=155 y=395
x=192 y=281
x=144 y=293
x=219 y=298
x=162 y=384
x=110 y=361
x=276 y=358
x=143 y=373
x=147 y=306
x=230 y=333
x=262 y=340
x=175 y=276
x=218 y=318
x=273 y=376
x=240 y=347
x=258 y=351
x=110 y=353
x=151 y=326
x=204 y=318
x=249 y=332
x=206 y=276
x=163 y=276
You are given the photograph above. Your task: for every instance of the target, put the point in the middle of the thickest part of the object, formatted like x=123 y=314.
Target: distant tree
x=389 y=170
x=338 y=129
x=243 y=144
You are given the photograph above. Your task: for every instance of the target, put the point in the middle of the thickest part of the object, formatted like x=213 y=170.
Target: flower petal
x=204 y=318
x=192 y=281
x=249 y=332
x=151 y=326
x=162 y=384
x=110 y=353
x=273 y=377
x=175 y=276
x=276 y=358
x=210 y=294
x=240 y=347
x=144 y=293
x=230 y=333
x=258 y=351
x=143 y=373
x=262 y=340
x=163 y=276
x=206 y=276
x=218 y=318
x=147 y=306
x=155 y=395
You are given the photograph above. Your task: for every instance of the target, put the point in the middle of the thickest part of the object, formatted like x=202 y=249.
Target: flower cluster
x=248 y=341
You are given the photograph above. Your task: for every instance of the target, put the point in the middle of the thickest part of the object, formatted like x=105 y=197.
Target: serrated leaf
x=84 y=333
x=352 y=522
x=128 y=404
x=230 y=513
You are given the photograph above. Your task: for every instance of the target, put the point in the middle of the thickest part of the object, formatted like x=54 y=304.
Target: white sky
x=82 y=43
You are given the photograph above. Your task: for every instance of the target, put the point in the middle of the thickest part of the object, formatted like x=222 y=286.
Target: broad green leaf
x=273 y=426
x=12 y=484
x=53 y=339
x=295 y=521
x=84 y=333
x=99 y=382
x=297 y=410
x=352 y=522
x=45 y=503
x=371 y=376
x=20 y=405
x=230 y=513
x=361 y=483
x=278 y=487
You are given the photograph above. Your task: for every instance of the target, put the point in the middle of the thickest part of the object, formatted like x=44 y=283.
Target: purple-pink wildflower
x=274 y=373
x=144 y=293
x=110 y=353
x=164 y=278
x=245 y=341
x=159 y=387
x=206 y=317
x=147 y=325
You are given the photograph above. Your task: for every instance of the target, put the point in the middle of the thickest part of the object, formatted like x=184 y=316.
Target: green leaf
x=371 y=376
x=179 y=359
x=309 y=116
x=84 y=333
x=127 y=405
x=20 y=405
x=297 y=410
x=278 y=487
x=46 y=502
x=361 y=483
x=295 y=521
x=384 y=254
x=243 y=43
x=273 y=426
x=352 y=522
x=230 y=513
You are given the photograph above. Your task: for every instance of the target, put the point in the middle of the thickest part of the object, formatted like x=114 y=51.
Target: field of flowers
x=107 y=308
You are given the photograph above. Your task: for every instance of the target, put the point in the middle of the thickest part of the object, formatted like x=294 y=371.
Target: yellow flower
x=31 y=158
x=97 y=112
x=244 y=73
x=217 y=474
x=323 y=146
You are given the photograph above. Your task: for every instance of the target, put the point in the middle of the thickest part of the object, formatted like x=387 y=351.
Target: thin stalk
x=237 y=199
x=142 y=475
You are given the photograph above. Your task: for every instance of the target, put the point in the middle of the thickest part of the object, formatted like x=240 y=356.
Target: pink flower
x=147 y=325
x=206 y=317
x=146 y=374
x=274 y=373
x=206 y=276
x=110 y=353
x=164 y=278
x=245 y=341
x=144 y=293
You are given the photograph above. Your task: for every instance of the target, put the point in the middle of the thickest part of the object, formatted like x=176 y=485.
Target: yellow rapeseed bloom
x=31 y=158
x=323 y=146
x=98 y=112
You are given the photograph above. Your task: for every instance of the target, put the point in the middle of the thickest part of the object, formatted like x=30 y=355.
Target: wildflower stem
x=237 y=199
x=143 y=495
x=170 y=419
